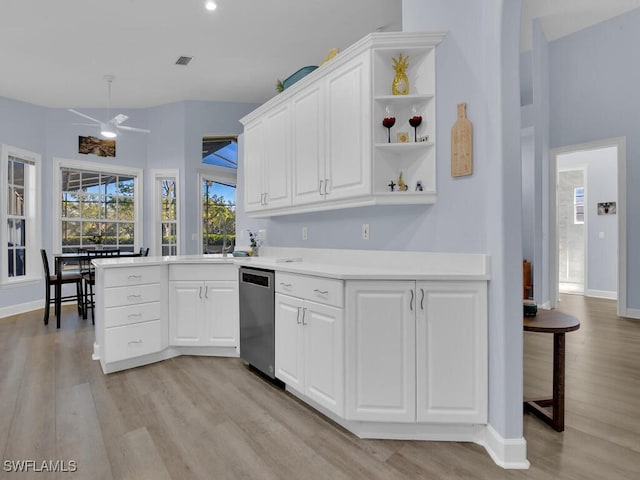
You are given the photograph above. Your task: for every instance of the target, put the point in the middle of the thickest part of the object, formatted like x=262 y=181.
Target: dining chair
x=57 y=281
x=88 y=274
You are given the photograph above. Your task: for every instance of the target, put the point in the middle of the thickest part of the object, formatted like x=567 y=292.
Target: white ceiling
x=559 y=18
x=56 y=53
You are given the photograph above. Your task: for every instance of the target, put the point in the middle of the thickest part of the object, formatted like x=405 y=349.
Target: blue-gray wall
x=480 y=213
x=175 y=142
x=594 y=82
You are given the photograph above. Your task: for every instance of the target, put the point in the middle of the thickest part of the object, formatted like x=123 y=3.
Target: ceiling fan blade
x=87 y=124
x=118 y=119
x=133 y=129
x=83 y=115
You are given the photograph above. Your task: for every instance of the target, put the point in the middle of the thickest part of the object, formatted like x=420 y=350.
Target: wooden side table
x=551 y=409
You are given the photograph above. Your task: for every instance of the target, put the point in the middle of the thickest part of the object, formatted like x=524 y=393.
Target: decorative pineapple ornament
x=400 y=84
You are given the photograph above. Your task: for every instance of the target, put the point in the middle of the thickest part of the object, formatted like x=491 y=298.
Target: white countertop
x=339 y=264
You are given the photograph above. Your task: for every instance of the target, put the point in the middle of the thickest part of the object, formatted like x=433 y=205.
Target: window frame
x=56 y=217
x=576 y=221
x=216 y=174
x=33 y=206
x=156 y=237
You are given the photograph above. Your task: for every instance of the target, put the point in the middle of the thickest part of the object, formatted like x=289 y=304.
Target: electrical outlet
x=365 y=231
x=262 y=234
x=305 y=235
x=194 y=236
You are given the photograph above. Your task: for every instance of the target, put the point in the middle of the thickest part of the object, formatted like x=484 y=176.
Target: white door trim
x=552 y=273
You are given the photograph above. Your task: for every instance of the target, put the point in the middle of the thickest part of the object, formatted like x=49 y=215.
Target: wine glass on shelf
x=388 y=121
x=415 y=120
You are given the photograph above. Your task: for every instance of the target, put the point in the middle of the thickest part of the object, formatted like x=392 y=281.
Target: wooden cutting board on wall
x=462 y=144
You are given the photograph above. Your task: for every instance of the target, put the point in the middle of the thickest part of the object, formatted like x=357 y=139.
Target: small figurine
x=400 y=85
x=391 y=186
x=419 y=187
x=402 y=187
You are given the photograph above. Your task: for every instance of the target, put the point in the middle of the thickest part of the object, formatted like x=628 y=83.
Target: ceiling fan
x=109 y=129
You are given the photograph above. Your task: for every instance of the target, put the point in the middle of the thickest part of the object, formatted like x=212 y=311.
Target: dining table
x=61 y=259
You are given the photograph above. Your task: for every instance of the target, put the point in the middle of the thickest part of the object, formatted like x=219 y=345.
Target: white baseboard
x=21 y=308
x=508 y=453
x=601 y=294
x=632 y=313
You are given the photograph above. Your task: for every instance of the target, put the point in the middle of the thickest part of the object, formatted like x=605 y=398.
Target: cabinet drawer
x=120 y=277
x=214 y=271
x=120 y=296
x=131 y=341
x=130 y=314
x=318 y=289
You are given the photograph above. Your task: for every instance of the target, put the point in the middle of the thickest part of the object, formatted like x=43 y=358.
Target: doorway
x=571 y=229
x=587 y=227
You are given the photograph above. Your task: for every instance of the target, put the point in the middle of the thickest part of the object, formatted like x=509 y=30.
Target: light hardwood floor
x=210 y=418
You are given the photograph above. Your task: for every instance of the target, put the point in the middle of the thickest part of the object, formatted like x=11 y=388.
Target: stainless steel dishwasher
x=257 y=319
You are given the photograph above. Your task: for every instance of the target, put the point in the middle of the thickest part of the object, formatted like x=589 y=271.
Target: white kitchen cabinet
x=381 y=366
x=310 y=346
x=129 y=313
x=267 y=169
x=203 y=306
x=331 y=136
x=335 y=152
x=253 y=165
x=417 y=351
x=451 y=352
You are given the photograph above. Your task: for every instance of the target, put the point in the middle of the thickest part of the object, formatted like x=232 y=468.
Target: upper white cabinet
x=268 y=157
x=321 y=144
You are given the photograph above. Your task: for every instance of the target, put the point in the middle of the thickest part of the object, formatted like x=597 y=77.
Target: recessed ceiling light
x=210 y=5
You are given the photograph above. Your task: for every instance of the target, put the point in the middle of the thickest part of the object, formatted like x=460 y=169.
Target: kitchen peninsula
x=388 y=344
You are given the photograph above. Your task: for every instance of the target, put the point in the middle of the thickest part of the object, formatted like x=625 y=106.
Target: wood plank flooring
x=211 y=418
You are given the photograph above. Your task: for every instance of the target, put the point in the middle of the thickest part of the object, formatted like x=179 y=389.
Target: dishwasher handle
x=256 y=278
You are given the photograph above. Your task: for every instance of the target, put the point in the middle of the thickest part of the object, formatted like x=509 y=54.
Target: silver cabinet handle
x=304 y=314
x=206 y=292
x=422 y=299
x=200 y=292
x=134 y=315
x=326 y=186
x=266 y=198
x=411 y=301
x=321 y=292
x=298 y=316
x=133 y=297
x=135 y=341
x=320 y=187
x=286 y=285
x=134 y=277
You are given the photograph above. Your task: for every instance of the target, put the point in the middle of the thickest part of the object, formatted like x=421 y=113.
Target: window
x=166 y=225
x=218 y=213
x=98 y=205
x=578 y=205
x=20 y=230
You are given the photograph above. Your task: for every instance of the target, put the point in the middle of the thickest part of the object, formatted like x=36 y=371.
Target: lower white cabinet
x=129 y=313
x=417 y=351
x=309 y=349
x=203 y=312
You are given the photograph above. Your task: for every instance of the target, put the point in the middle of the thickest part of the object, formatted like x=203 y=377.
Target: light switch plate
x=305 y=233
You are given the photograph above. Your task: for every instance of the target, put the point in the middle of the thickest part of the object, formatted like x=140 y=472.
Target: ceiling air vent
x=183 y=60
